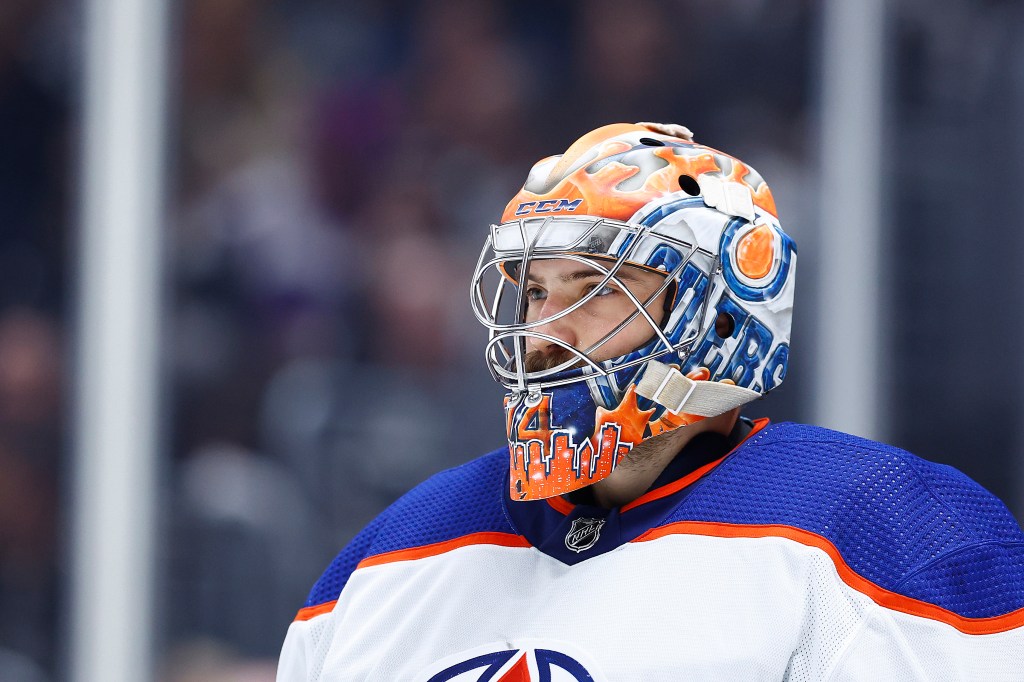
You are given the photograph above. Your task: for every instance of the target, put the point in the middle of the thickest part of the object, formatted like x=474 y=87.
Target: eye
x=535 y=294
x=603 y=291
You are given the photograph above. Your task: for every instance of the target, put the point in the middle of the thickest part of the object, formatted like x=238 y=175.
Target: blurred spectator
x=28 y=508
x=30 y=375
x=30 y=425
x=400 y=233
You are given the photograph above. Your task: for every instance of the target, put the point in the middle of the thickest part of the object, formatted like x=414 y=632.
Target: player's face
x=555 y=284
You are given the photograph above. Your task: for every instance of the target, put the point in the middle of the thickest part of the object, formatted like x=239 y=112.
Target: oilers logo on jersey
x=525 y=664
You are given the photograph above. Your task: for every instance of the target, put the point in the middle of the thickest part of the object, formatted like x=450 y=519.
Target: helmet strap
x=673 y=390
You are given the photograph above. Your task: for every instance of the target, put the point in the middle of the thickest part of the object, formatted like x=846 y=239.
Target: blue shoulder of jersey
x=920 y=529
x=449 y=505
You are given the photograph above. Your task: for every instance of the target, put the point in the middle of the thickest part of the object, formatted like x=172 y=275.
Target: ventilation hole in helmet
x=725 y=325
x=689 y=185
x=651 y=142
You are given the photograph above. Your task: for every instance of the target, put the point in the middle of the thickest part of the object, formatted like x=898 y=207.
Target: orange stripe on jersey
x=676 y=486
x=877 y=594
x=561 y=505
x=488 y=538
x=413 y=553
x=314 y=611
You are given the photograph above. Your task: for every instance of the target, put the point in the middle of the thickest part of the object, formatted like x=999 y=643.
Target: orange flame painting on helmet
x=645 y=196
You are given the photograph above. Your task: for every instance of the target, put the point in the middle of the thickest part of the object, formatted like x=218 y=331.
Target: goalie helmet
x=634 y=196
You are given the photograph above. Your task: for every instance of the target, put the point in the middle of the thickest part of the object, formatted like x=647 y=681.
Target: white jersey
x=803 y=555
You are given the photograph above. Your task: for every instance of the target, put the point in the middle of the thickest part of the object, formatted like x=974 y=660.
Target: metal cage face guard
x=602 y=245
x=721 y=251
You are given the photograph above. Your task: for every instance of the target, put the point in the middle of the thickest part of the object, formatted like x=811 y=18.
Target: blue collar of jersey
x=547 y=524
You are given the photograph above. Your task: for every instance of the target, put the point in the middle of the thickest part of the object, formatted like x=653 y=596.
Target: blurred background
x=332 y=169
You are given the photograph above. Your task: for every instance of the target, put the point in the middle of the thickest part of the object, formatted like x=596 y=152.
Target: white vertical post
x=117 y=336
x=847 y=395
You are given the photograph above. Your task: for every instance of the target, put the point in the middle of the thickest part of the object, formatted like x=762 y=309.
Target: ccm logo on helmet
x=548 y=206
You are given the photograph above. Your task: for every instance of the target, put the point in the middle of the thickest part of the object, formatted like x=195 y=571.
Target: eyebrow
x=587 y=273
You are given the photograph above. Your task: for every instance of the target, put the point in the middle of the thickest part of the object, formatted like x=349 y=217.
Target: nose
x=562 y=328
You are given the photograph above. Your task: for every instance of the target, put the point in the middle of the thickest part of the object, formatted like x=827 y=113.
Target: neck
x=644 y=463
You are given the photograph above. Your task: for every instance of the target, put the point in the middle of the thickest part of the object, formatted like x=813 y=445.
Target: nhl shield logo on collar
x=584 y=534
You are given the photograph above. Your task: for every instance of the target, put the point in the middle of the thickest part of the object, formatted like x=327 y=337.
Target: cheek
x=634 y=334
x=656 y=309
x=639 y=330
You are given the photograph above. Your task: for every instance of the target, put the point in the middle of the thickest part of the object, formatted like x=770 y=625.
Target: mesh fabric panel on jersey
x=991 y=569
x=903 y=523
x=330 y=584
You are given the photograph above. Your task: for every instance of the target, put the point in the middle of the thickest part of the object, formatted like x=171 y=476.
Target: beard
x=538 y=360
